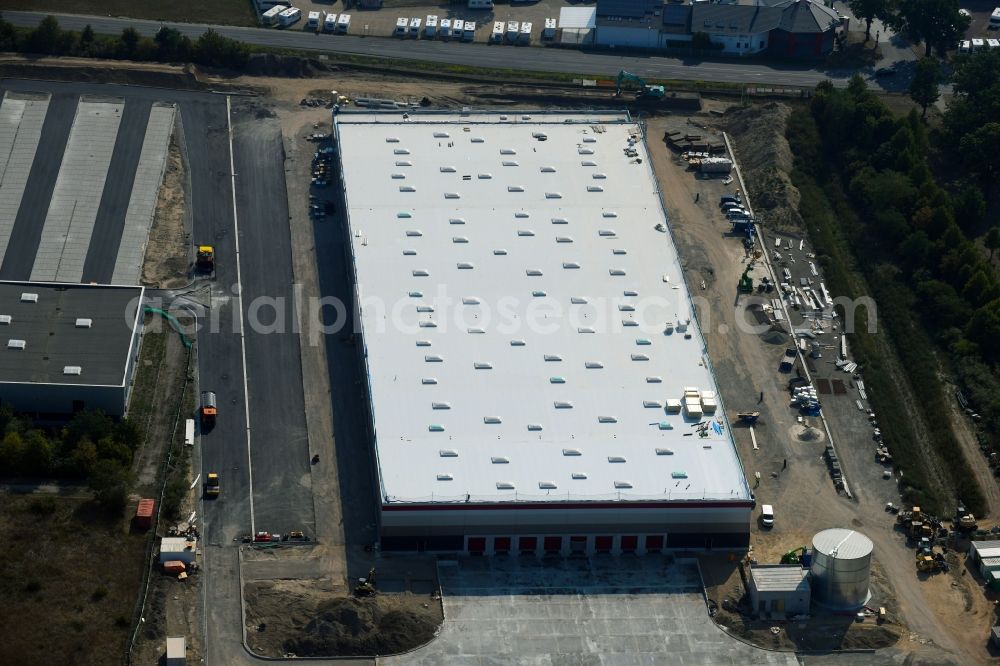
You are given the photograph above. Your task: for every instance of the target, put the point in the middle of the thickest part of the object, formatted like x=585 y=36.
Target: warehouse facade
x=536 y=380
x=68 y=347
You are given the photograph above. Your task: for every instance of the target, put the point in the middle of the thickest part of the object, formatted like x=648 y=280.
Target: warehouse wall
x=61 y=400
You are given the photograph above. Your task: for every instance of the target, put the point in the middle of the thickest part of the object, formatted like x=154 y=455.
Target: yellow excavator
x=366 y=585
x=205 y=259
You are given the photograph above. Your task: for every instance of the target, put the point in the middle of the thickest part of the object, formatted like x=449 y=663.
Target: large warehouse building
x=536 y=380
x=68 y=347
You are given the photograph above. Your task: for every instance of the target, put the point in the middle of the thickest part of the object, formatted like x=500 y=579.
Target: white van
x=525 y=36
x=497 y=35
x=767 y=515
x=513 y=30
x=289 y=16
x=995 y=19
x=993 y=44
x=964 y=46
x=343 y=23
x=458 y=28
x=978 y=45
x=431 y=26
x=444 y=28
x=313 y=20
x=270 y=17
x=402 y=25
x=470 y=31
x=330 y=23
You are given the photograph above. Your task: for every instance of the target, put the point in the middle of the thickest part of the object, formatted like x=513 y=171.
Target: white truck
x=513 y=30
x=445 y=28
x=469 y=32
x=458 y=28
x=497 y=35
x=343 y=23
x=550 y=29
x=313 y=21
x=289 y=16
x=525 y=36
x=330 y=23
x=431 y=26
x=402 y=24
x=415 y=27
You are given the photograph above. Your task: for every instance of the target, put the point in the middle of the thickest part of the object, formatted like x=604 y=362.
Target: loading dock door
x=477 y=545
x=501 y=545
x=629 y=544
x=578 y=544
x=553 y=544
x=654 y=543
x=527 y=544
x=602 y=544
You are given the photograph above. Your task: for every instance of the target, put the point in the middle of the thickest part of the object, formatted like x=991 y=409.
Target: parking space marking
x=145 y=191
x=21 y=119
x=72 y=212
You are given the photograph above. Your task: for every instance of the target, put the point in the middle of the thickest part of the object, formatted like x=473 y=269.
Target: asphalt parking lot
x=79 y=182
x=383 y=22
x=621 y=610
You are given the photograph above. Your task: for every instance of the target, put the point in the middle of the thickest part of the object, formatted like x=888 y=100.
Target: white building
x=179 y=549
x=526 y=334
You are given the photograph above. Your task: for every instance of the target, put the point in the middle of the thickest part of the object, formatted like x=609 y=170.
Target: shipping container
x=174 y=567
x=144 y=514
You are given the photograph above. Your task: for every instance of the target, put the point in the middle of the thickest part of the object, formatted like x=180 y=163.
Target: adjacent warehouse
x=536 y=380
x=68 y=347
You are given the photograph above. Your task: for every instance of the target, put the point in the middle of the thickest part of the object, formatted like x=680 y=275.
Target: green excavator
x=794 y=556
x=746 y=282
x=645 y=91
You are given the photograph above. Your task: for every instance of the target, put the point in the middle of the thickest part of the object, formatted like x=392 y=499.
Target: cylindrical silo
x=841 y=568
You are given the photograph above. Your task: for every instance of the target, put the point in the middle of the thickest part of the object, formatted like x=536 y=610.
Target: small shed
x=981 y=552
x=176 y=651
x=182 y=549
x=779 y=589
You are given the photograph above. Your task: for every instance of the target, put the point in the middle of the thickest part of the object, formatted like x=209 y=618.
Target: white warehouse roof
x=524 y=315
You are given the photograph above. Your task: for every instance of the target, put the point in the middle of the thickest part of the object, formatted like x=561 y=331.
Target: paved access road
x=474 y=55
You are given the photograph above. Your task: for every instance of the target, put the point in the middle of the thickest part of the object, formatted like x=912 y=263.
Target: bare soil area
x=168 y=248
x=287 y=617
x=70 y=578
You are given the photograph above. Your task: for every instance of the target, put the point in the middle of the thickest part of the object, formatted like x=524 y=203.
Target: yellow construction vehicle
x=205 y=259
x=212 y=487
x=366 y=585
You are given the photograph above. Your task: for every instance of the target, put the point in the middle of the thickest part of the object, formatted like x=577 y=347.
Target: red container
x=144 y=514
x=174 y=567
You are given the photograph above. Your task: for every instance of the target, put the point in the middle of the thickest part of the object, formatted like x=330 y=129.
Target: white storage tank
x=841 y=568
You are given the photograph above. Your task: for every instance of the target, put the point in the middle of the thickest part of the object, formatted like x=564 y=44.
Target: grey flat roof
x=527 y=329
x=52 y=340
x=779 y=578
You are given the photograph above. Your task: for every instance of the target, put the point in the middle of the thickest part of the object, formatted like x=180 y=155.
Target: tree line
x=908 y=204
x=168 y=45
x=937 y=24
x=90 y=447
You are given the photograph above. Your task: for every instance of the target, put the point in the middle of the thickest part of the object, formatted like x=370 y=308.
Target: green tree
x=869 y=10
x=970 y=206
x=83 y=459
x=46 y=37
x=111 y=484
x=172 y=46
x=11 y=454
x=92 y=425
x=981 y=149
x=130 y=41
x=936 y=23
x=992 y=241
x=87 y=35
x=924 y=86
x=37 y=456
x=8 y=36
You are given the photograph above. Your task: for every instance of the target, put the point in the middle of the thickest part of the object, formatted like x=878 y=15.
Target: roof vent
x=564 y=239
x=547 y=485
x=534 y=427
x=459 y=239
x=483 y=366
x=562 y=404
x=623 y=484
x=499 y=460
x=456 y=220
x=560 y=220
x=607 y=419
x=579 y=475
x=654 y=404
x=572 y=452
x=448 y=169
x=448 y=453
x=28 y=297
x=500 y=252
x=654 y=380
x=553 y=357
x=593 y=365
x=72 y=370
x=517 y=343
x=616 y=459
x=5 y=319
x=440 y=405
x=428 y=380
x=492 y=420
x=640 y=357
x=433 y=358
x=434 y=427
x=505 y=485
x=16 y=344
x=445 y=477
x=664 y=452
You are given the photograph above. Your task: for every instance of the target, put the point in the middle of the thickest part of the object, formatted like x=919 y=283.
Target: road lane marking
x=239 y=304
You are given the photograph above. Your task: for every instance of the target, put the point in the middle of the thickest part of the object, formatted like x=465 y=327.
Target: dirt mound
x=759 y=140
x=359 y=627
x=269 y=64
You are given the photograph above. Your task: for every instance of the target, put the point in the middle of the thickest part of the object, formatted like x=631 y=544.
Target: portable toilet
x=415 y=27
x=445 y=28
x=330 y=23
x=497 y=35
x=270 y=17
x=550 y=29
x=977 y=45
x=458 y=28
x=525 y=35
x=401 y=26
x=470 y=31
x=343 y=23
x=513 y=30
x=431 y=26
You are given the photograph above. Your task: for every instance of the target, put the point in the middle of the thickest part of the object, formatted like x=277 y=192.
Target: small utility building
x=68 y=347
x=985 y=556
x=779 y=589
x=178 y=549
